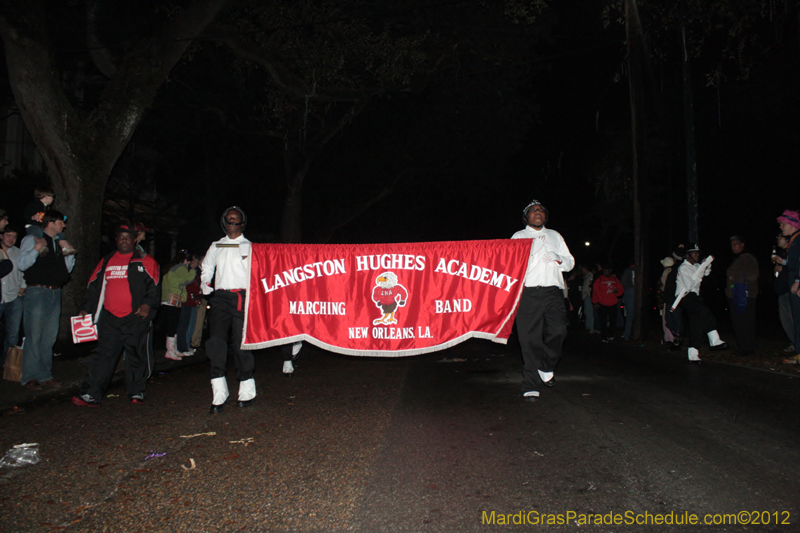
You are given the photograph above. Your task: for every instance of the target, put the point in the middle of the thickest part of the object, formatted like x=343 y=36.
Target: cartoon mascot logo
x=388 y=295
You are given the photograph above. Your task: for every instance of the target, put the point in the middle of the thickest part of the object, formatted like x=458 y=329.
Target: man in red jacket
x=606 y=292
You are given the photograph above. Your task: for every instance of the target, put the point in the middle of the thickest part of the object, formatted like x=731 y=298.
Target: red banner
x=384 y=299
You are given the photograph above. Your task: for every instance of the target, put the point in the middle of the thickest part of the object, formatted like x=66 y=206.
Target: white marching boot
x=288 y=366
x=715 y=342
x=247 y=392
x=694 y=355
x=548 y=379
x=219 y=391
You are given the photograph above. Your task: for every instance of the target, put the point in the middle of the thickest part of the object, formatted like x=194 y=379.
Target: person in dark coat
x=123 y=295
x=741 y=291
x=789 y=223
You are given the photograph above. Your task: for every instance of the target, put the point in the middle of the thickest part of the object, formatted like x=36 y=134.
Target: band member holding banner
x=227 y=262
x=542 y=317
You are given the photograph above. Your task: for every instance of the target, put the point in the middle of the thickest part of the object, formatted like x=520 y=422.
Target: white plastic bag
x=21 y=455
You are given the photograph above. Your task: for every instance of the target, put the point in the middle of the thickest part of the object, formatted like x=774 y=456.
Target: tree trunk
x=688 y=120
x=80 y=152
x=292 y=217
x=636 y=58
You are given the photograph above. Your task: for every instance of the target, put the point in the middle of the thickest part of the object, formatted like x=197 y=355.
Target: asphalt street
x=442 y=442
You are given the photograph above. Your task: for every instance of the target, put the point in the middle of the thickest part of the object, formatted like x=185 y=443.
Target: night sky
x=466 y=151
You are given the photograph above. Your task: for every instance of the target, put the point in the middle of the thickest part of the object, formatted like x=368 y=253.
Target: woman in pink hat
x=789 y=223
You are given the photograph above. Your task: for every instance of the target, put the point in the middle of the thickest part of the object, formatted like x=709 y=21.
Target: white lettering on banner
x=453 y=306
x=390 y=262
x=392 y=333
x=317 y=308
x=454 y=267
x=358 y=333
x=304 y=273
x=423 y=332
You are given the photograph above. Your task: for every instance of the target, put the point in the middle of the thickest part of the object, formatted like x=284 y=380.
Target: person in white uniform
x=687 y=296
x=542 y=317
x=227 y=262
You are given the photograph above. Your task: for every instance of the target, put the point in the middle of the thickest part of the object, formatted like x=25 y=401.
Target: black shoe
x=550 y=383
x=216 y=409
x=245 y=403
x=530 y=396
x=718 y=347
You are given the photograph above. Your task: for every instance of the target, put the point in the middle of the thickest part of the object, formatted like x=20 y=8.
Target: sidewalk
x=69 y=369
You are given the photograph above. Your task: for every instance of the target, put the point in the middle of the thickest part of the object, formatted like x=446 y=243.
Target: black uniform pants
x=542 y=328
x=226 y=319
x=130 y=333
x=700 y=319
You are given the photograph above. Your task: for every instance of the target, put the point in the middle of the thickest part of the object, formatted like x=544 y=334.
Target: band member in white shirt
x=542 y=316
x=227 y=262
x=687 y=296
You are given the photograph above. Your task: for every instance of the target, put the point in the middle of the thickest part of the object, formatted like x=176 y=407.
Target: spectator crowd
x=127 y=294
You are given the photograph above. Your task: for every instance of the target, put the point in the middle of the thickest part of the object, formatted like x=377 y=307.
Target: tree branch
x=100 y=54
x=361 y=208
x=282 y=75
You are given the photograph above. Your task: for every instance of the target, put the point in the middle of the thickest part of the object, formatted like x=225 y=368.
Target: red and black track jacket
x=143 y=280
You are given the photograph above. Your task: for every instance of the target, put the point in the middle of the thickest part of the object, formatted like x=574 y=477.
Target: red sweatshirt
x=606 y=290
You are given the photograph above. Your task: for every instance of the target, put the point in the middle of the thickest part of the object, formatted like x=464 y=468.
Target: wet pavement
x=429 y=443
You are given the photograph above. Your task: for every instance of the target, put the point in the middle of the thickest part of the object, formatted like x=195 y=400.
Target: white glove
x=206 y=289
x=550 y=257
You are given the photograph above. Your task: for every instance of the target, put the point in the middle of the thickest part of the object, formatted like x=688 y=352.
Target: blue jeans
x=588 y=312
x=185 y=328
x=11 y=313
x=192 y=324
x=628 y=299
x=42 y=311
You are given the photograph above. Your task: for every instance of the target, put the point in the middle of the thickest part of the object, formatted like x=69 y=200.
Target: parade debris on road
x=21 y=455
x=208 y=433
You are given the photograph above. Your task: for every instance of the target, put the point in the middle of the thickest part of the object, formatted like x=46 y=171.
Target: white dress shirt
x=231 y=268
x=689 y=279
x=549 y=257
